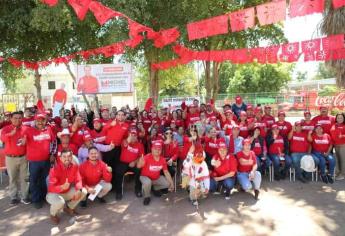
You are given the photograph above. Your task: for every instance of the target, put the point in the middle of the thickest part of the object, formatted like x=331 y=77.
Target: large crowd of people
x=77 y=156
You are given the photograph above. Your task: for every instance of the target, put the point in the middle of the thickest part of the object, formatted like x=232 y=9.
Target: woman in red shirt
x=244 y=125
x=211 y=145
x=170 y=151
x=322 y=146
x=299 y=146
x=247 y=174
x=338 y=137
x=307 y=124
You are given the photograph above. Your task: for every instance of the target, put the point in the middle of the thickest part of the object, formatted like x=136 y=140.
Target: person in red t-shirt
x=247 y=174
x=41 y=149
x=65 y=186
x=244 y=125
x=224 y=170
x=151 y=166
x=325 y=120
x=98 y=132
x=65 y=143
x=307 y=123
x=268 y=117
x=88 y=84
x=259 y=122
x=284 y=126
x=192 y=116
x=16 y=164
x=131 y=151
x=170 y=151
x=95 y=172
x=259 y=147
x=299 y=146
x=338 y=137
x=322 y=146
x=211 y=145
x=78 y=130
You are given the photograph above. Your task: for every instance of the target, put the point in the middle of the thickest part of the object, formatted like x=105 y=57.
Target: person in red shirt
x=65 y=185
x=278 y=150
x=299 y=146
x=65 y=144
x=211 y=145
x=268 y=117
x=307 y=123
x=16 y=164
x=338 y=137
x=247 y=174
x=41 y=149
x=105 y=114
x=170 y=151
x=259 y=122
x=259 y=147
x=250 y=112
x=228 y=120
x=284 y=126
x=6 y=121
x=88 y=84
x=131 y=151
x=325 y=120
x=116 y=132
x=98 y=132
x=224 y=170
x=95 y=172
x=192 y=116
x=244 y=125
x=78 y=130
x=322 y=146
x=151 y=166
x=28 y=119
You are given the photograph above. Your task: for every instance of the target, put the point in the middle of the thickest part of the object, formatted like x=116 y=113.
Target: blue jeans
x=227 y=183
x=276 y=162
x=263 y=164
x=296 y=160
x=246 y=184
x=39 y=171
x=321 y=162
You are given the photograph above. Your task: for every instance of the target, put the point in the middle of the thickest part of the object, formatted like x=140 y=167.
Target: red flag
x=241 y=56
x=102 y=13
x=290 y=48
x=216 y=56
x=16 y=63
x=323 y=55
x=306 y=7
x=259 y=54
x=40 y=106
x=135 y=28
x=110 y=50
x=272 y=12
x=271 y=54
x=333 y=42
x=243 y=19
x=309 y=56
x=30 y=65
x=209 y=27
x=311 y=45
x=148 y=104
x=164 y=37
x=50 y=3
x=202 y=56
x=80 y=7
x=338 y=3
x=135 y=41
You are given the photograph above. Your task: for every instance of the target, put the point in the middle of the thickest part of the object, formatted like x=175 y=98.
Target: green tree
x=325 y=71
x=302 y=76
x=255 y=78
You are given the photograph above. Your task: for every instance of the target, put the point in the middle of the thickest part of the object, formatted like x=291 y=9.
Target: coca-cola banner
x=337 y=101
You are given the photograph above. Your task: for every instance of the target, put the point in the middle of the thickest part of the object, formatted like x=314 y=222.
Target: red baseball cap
x=192 y=106
x=298 y=123
x=306 y=113
x=243 y=113
x=104 y=109
x=281 y=113
x=257 y=110
x=40 y=116
x=235 y=126
x=238 y=99
x=212 y=118
x=133 y=131
x=157 y=145
x=87 y=137
x=222 y=145
x=7 y=113
x=249 y=107
x=229 y=112
x=246 y=141
x=323 y=107
x=97 y=120
x=268 y=107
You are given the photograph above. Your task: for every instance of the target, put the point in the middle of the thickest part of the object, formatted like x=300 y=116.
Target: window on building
x=51 y=84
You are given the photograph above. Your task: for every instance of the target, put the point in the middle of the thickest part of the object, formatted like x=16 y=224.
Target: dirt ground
x=284 y=208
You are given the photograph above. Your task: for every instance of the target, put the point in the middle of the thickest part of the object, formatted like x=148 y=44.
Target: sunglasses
x=168 y=133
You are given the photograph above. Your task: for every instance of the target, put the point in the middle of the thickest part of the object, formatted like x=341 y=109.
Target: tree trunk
x=208 y=82
x=37 y=84
x=215 y=80
x=154 y=84
x=75 y=81
x=97 y=103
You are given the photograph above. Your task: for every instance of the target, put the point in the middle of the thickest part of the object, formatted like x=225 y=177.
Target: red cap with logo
x=157 y=145
x=243 y=113
x=247 y=141
x=238 y=99
x=257 y=110
x=97 y=120
x=40 y=116
x=249 y=107
x=281 y=113
x=222 y=145
x=87 y=137
x=307 y=113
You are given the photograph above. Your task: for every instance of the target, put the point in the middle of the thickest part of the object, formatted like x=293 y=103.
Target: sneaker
x=14 y=201
x=195 y=203
x=38 y=205
x=340 y=177
x=118 y=196
x=330 y=179
x=83 y=204
x=54 y=219
x=324 y=179
x=146 y=201
x=157 y=193
x=227 y=195
x=25 y=201
x=256 y=194
x=102 y=200
x=138 y=193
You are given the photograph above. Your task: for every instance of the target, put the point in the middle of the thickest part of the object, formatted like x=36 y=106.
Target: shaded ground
x=284 y=208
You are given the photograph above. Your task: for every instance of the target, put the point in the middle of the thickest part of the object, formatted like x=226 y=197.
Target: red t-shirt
x=88 y=84
x=245 y=167
x=58 y=175
x=153 y=168
x=307 y=126
x=211 y=145
x=38 y=143
x=229 y=164
x=284 y=128
x=60 y=95
x=146 y=123
x=257 y=149
x=299 y=142
x=78 y=136
x=228 y=124
x=98 y=137
x=336 y=131
x=71 y=147
x=321 y=144
x=28 y=121
x=277 y=147
x=244 y=130
x=269 y=120
x=192 y=118
x=262 y=126
x=92 y=174
x=170 y=150
x=325 y=121
x=11 y=147
x=131 y=152
x=116 y=133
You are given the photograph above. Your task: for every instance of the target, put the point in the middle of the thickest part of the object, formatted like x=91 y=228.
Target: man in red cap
x=6 y=121
x=105 y=116
x=98 y=132
x=40 y=148
x=268 y=117
x=238 y=106
x=192 y=116
x=151 y=166
x=78 y=130
x=16 y=163
x=284 y=126
x=131 y=151
x=307 y=123
x=325 y=120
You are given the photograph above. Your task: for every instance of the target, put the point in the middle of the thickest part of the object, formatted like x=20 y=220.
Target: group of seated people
x=84 y=155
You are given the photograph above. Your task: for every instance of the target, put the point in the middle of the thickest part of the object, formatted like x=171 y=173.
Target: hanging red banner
x=338 y=3
x=50 y=3
x=209 y=27
x=164 y=37
x=311 y=45
x=333 y=42
x=272 y=12
x=80 y=7
x=306 y=7
x=243 y=19
x=102 y=13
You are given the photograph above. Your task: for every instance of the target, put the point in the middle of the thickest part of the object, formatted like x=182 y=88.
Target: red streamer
x=272 y=12
x=209 y=27
x=306 y=7
x=242 y=20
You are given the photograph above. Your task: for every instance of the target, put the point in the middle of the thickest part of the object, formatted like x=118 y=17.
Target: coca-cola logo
x=334 y=101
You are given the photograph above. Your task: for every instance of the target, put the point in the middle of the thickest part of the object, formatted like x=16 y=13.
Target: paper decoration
x=306 y=7
x=164 y=37
x=333 y=42
x=209 y=27
x=338 y=3
x=102 y=13
x=50 y=3
x=311 y=45
x=272 y=12
x=80 y=7
x=243 y=19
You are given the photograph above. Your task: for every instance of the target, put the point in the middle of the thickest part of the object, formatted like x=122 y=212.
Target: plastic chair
x=123 y=178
